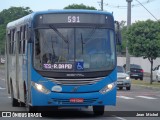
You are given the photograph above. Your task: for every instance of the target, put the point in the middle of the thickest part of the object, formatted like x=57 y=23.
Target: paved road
x=137 y=99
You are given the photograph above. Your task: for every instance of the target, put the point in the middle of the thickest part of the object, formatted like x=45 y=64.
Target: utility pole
x=102 y=5
x=128 y=24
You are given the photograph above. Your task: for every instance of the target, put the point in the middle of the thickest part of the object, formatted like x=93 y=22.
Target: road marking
x=124 y=97
x=2 y=88
x=120 y=118
x=9 y=97
x=146 y=97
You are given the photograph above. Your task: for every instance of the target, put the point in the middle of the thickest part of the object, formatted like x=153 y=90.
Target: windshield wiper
x=60 y=34
x=82 y=42
x=55 y=29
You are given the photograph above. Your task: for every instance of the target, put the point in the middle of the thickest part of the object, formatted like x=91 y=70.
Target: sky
x=120 y=13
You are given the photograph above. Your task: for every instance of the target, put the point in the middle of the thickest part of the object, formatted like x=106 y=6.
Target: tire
x=141 y=78
x=14 y=101
x=120 y=88
x=29 y=108
x=98 y=110
x=128 y=88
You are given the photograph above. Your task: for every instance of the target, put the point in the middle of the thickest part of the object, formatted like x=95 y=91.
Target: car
x=156 y=73
x=2 y=60
x=136 y=71
x=123 y=79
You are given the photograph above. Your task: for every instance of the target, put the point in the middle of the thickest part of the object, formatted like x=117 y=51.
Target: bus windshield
x=74 y=49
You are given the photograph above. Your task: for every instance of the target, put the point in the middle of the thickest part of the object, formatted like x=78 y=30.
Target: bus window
x=20 y=40
x=24 y=38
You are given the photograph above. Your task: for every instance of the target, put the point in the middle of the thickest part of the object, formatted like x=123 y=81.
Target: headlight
x=127 y=78
x=108 y=88
x=40 y=88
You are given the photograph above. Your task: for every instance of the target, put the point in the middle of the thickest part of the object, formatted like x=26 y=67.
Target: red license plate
x=76 y=100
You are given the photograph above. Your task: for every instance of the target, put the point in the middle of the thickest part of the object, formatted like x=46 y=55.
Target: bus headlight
x=127 y=78
x=108 y=88
x=40 y=88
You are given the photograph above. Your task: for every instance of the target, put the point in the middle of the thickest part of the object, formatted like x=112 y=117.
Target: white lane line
x=2 y=88
x=125 y=97
x=146 y=97
x=9 y=97
x=120 y=118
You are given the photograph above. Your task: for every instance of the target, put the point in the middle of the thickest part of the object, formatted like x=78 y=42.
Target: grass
x=146 y=84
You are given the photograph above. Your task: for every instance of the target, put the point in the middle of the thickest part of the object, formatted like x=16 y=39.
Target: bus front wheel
x=29 y=108
x=98 y=110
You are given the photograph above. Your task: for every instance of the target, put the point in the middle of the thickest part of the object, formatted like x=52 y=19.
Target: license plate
x=76 y=100
x=119 y=82
x=134 y=75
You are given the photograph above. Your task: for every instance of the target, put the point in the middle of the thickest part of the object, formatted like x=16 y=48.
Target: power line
x=125 y=7
x=147 y=10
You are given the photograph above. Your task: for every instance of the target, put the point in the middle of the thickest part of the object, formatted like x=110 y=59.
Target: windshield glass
x=74 y=49
x=120 y=69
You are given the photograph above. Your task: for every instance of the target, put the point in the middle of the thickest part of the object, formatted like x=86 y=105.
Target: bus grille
x=67 y=101
x=76 y=81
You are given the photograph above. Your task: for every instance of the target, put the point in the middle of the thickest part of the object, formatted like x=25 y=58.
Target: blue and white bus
x=61 y=58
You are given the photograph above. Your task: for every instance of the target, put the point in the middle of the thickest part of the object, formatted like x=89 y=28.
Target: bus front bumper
x=73 y=99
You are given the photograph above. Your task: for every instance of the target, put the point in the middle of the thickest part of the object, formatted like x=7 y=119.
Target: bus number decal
x=73 y=19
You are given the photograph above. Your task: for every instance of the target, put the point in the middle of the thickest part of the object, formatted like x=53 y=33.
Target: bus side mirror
x=118 y=33
x=118 y=38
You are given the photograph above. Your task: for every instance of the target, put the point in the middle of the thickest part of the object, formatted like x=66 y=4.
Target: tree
x=8 y=15
x=144 y=40
x=79 y=6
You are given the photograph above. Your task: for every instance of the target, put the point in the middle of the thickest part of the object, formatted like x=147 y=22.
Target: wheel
x=29 y=108
x=98 y=110
x=141 y=78
x=120 y=88
x=14 y=101
x=128 y=88
x=157 y=79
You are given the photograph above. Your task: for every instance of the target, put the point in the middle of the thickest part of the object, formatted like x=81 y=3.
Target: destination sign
x=74 y=18
x=59 y=66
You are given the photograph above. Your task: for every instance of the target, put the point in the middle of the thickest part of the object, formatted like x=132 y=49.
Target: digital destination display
x=74 y=18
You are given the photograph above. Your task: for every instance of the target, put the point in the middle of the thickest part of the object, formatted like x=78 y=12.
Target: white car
x=156 y=73
x=123 y=79
x=2 y=60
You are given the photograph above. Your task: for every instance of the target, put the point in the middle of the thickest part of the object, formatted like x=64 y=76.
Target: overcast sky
x=120 y=13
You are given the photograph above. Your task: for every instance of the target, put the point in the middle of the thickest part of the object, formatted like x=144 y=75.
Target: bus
x=62 y=58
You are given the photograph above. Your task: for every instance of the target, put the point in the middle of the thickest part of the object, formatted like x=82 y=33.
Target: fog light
x=127 y=78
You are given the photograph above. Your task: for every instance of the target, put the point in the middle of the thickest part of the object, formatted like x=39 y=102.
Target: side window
x=20 y=40
x=9 y=42
x=24 y=39
x=12 y=42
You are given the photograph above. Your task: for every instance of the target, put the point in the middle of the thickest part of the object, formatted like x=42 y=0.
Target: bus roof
x=30 y=17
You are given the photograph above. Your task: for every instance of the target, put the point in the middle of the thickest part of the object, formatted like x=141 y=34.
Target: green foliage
x=144 y=39
x=8 y=15
x=80 y=6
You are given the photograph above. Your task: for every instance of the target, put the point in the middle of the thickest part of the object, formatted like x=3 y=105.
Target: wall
x=145 y=64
